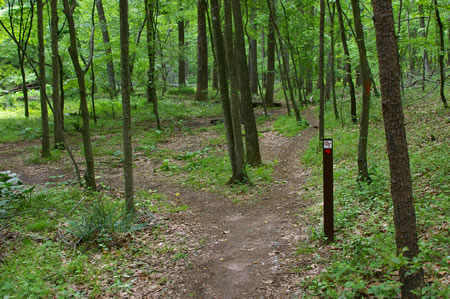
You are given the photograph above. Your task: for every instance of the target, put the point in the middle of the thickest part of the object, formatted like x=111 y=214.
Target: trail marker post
x=328 y=189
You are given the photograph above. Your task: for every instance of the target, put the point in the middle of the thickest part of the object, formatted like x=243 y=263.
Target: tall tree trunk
x=181 y=55
x=285 y=59
x=57 y=119
x=151 y=88
x=133 y=55
x=348 y=67
x=441 y=53
x=238 y=170
x=401 y=189
x=215 y=78
x=202 y=53
x=24 y=80
x=61 y=88
x=332 y=13
x=363 y=172
x=248 y=116
x=73 y=51
x=425 y=62
x=126 y=107
x=42 y=82
x=270 y=77
x=253 y=58
x=239 y=174
x=108 y=49
x=321 y=66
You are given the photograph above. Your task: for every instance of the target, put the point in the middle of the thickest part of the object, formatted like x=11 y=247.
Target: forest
x=175 y=149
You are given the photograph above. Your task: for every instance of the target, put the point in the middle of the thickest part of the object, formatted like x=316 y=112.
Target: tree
x=57 y=113
x=248 y=115
x=126 y=107
x=401 y=188
x=202 y=53
x=21 y=37
x=441 y=54
x=321 y=64
x=236 y=159
x=181 y=53
x=332 y=14
x=80 y=73
x=347 y=65
x=108 y=49
x=151 y=33
x=363 y=172
x=42 y=80
x=270 y=77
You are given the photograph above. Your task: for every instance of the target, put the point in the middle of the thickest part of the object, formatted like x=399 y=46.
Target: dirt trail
x=249 y=247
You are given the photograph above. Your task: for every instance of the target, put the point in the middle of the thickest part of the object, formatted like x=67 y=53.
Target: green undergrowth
x=362 y=261
x=288 y=126
x=64 y=242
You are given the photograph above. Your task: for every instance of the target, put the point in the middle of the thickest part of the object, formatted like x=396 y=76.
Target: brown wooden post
x=328 y=189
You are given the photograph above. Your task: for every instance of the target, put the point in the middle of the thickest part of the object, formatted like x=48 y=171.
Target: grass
x=288 y=126
x=363 y=259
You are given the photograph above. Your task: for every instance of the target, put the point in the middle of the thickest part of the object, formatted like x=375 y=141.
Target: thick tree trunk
x=363 y=172
x=181 y=55
x=270 y=77
x=248 y=116
x=321 y=66
x=57 y=119
x=73 y=51
x=401 y=189
x=42 y=81
x=108 y=50
x=126 y=107
x=151 y=49
x=441 y=54
x=202 y=53
x=238 y=173
x=348 y=67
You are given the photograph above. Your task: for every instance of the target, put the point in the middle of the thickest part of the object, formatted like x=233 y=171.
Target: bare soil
x=245 y=248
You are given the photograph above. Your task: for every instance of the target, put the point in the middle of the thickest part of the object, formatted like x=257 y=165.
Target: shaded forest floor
x=209 y=240
x=196 y=236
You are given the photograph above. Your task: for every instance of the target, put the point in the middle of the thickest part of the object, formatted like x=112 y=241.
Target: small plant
x=12 y=190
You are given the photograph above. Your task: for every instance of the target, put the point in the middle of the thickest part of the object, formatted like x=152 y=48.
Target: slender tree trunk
x=215 y=78
x=61 y=88
x=108 y=49
x=253 y=58
x=202 y=53
x=73 y=51
x=21 y=57
x=285 y=61
x=401 y=188
x=181 y=55
x=270 y=77
x=321 y=66
x=239 y=174
x=441 y=54
x=133 y=54
x=235 y=159
x=363 y=172
x=57 y=119
x=126 y=107
x=151 y=49
x=348 y=67
x=332 y=13
x=248 y=116
x=42 y=82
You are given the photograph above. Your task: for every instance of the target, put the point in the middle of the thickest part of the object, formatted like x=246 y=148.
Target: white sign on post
x=328 y=144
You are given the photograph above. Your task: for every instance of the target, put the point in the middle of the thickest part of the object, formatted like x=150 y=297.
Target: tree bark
x=363 y=172
x=401 y=189
x=270 y=77
x=202 y=53
x=441 y=54
x=73 y=51
x=248 y=116
x=57 y=119
x=151 y=51
x=253 y=59
x=126 y=107
x=321 y=66
x=42 y=82
x=348 y=67
x=181 y=55
x=229 y=120
x=332 y=13
x=108 y=49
